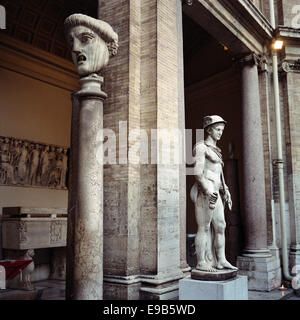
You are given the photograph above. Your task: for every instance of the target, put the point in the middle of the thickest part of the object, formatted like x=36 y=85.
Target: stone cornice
x=236 y=23
x=253 y=15
x=288 y=34
x=291 y=49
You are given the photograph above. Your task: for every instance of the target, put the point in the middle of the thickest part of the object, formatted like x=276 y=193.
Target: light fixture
x=224 y=47
x=277 y=44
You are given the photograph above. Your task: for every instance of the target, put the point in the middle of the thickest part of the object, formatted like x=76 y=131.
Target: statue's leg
x=219 y=225
x=203 y=218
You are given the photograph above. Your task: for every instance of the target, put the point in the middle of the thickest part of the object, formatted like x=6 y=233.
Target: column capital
x=263 y=64
x=249 y=59
x=290 y=66
x=252 y=59
x=91 y=86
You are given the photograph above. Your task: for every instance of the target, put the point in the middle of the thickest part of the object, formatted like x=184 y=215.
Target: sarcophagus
x=34 y=228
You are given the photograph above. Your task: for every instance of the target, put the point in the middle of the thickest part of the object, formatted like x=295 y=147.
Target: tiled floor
x=55 y=290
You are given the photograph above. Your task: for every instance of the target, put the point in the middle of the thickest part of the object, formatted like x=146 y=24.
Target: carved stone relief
x=22 y=231
x=27 y=163
x=56 y=233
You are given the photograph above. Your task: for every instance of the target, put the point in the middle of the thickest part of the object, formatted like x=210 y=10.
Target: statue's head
x=214 y=126
x=91 y=41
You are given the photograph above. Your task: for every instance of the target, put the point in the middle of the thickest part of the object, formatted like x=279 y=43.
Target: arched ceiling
x=40 y=22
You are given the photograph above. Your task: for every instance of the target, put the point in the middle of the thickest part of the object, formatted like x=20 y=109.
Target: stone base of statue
x=219 y=275
x=231 y=289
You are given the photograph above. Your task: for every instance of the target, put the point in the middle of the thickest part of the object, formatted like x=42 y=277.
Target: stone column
x=92 y=42
x=253 y=162
x=256 y=260
x=86 y=189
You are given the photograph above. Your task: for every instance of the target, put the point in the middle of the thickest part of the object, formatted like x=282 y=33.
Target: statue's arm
x=227 y=195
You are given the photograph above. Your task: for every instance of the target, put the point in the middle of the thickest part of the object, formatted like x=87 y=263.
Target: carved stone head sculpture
x=91 y=41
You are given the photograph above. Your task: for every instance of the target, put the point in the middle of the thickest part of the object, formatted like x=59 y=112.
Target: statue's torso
x=213 y=166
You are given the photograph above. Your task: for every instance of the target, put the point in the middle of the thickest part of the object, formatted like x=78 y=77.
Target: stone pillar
x=161 y=266
x=142 y=237
x=181 y=123
x=122 y=217
x=85 y=227
x=256 y=261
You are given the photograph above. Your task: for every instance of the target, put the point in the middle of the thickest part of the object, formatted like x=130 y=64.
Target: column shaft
x=253 y=164
x=256 y=261
x=85 y=226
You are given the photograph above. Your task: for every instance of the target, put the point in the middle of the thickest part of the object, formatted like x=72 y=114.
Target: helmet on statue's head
x=209 y=120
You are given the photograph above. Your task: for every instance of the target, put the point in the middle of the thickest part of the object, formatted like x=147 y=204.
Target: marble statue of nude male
x=209 y=195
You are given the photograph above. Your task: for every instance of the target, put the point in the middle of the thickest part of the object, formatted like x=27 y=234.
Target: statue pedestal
x=232 y=289
x=219 y=275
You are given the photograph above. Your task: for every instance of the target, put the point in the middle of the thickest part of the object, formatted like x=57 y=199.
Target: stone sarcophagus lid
x=34 y=228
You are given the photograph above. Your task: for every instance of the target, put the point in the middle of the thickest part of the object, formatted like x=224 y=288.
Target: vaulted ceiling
x=40 y=22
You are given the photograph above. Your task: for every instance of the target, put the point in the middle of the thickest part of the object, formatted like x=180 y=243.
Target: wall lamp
x=277 y=44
